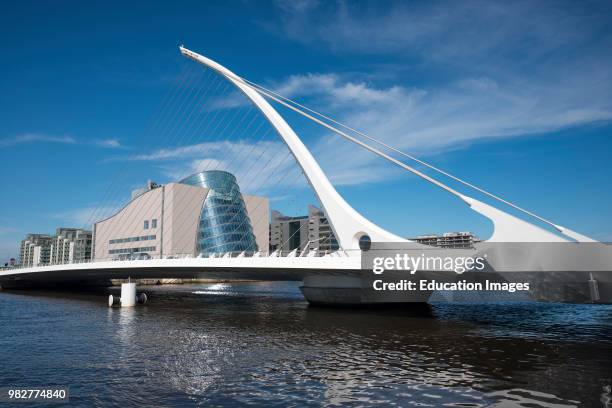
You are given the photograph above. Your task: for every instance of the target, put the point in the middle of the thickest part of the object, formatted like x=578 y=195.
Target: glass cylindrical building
x=224 y=222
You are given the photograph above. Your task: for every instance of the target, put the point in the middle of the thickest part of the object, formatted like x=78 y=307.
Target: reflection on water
x=260 y=344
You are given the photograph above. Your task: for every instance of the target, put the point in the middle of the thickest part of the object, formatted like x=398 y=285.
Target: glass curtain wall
x=224 y=222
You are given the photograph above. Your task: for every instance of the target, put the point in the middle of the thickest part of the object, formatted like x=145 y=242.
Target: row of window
x=132 y=239
x=153 y=223
x=131 y=250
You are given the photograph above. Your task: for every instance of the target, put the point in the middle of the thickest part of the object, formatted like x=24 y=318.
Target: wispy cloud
x=433 y=119
x=422 y=120
x=461 y=72
x=109 y=143
x=259 y=166
x=452 y=32
x=35 y=137
x=195 y=150
x=231 y=100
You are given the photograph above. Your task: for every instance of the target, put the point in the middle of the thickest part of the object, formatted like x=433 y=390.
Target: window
x=146 y=224
x=154 y=223
x=131 y=250
x=132 y=239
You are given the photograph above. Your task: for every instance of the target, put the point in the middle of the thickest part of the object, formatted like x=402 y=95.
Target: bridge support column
x=128 y=294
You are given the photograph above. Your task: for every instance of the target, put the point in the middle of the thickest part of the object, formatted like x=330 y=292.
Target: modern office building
x=288 y=233
x=35 y=250
x=204 y=213
x=320 y=235
x=449 y=240
x=70 y=245
x=313 y=231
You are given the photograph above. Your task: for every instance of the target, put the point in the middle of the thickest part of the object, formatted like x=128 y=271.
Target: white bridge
x=330 y=277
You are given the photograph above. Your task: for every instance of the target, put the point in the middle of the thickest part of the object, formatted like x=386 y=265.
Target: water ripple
x=252 y=344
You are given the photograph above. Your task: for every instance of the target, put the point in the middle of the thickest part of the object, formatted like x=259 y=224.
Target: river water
x=260 y=344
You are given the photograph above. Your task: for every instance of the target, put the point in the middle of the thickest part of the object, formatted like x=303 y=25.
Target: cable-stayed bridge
x=332 y=277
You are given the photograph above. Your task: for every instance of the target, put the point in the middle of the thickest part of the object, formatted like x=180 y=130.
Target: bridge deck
x=257 y=268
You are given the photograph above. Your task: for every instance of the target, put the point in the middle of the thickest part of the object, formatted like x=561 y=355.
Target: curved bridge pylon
x=348 y=225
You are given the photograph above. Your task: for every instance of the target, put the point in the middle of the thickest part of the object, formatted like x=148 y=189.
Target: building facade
x=288 y=233
x=35 y=250
x=310 y=231
x=320 y=234
x=224 y=222
x=70 y=245
x=203 y=214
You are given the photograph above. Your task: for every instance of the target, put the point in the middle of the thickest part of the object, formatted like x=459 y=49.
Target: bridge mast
x=348 y=225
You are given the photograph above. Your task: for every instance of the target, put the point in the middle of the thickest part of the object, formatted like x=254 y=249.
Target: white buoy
x=141 y=298
x=113 y=300
x=128 y=294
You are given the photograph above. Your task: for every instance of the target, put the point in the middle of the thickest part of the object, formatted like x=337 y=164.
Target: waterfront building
x=35 y=250
x=288 y=233
x=204 y=213
x=320 y=234
x=70 y=245
x=463 y=239
x=310 y=231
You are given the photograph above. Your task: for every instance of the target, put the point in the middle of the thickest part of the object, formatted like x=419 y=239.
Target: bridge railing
x=235 y=254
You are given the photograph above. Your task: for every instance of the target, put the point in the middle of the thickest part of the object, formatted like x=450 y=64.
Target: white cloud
x=421 y=120
x=259 y=166
x=189 y=151
x=306 y=84
x=231 y=100
x=429 y=120
x=441 y=31
x=457 y=72
x=109 y=143
x=35 y=137
x=433 y=77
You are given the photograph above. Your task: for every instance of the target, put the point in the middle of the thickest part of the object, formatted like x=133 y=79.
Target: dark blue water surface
x=260 y=344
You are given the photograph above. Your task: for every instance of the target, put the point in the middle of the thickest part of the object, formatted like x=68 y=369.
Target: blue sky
x=513 y=97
